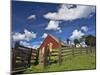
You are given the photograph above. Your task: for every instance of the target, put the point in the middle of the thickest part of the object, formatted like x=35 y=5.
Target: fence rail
x=65 y=52
x=23 y=57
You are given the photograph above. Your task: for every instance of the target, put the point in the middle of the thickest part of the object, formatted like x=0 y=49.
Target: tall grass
x=80 y=62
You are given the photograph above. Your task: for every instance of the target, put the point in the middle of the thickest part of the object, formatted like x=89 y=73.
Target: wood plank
x=55 y=51
x=66 y=54
x=36 y=51
x=66 y=51
x=54 y=54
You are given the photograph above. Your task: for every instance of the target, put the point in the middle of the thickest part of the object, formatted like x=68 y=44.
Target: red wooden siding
x=50 y=39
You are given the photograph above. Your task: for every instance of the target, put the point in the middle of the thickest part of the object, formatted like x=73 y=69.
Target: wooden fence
x=57 y=55
x=34 y=56
x=63 y=52
x=23 y=57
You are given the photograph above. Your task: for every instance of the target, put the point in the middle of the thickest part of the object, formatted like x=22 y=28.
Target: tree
x=17 y=44
x=76 y=41
x=82 y=39
x=67 y=40
x=90 y=40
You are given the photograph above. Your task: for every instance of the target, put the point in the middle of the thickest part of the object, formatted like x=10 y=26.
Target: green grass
x=80 y=62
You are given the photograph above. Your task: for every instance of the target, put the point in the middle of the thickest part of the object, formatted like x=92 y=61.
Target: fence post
x=37 y=55
x=86 y=50
x=13 y=59
x=46 y=55
x=41 y=58
x=73 y=51
x=59 y=56
x=44 y=58
x=29 y=57
x=81 y=50
x=90 y=49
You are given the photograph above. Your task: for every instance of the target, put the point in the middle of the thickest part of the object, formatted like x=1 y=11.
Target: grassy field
x=80 y=62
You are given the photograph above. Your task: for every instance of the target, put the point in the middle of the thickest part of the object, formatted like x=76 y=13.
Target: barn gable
x=49 y=44
x=50 y=39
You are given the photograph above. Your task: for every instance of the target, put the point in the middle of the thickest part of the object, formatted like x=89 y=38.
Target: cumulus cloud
x=41 y=42
x=53 y=25
x=27 y=35
x=84 y=28
x=32 y=17
x=76 y=34
x=44 y=35
x=26 y=44
x=70 y=12
x=35 y=46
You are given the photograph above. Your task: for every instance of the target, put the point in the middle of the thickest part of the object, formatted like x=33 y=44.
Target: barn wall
x=48 y=40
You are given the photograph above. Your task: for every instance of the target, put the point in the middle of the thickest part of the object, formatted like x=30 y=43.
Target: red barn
x=50 y=40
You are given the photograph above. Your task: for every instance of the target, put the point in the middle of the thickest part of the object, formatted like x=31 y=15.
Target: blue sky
x=32 y=21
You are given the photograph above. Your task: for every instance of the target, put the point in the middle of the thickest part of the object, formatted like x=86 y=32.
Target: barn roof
x=56 y=39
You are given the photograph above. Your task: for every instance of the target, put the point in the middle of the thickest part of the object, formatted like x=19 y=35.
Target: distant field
x=80 y=62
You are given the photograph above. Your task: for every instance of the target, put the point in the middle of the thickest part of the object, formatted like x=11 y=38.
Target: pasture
x=84 y=61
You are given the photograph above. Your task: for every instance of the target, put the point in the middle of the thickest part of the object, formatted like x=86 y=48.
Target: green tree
x=82 y=39
x=76 y=41
x=67 y=40
x=90 y=40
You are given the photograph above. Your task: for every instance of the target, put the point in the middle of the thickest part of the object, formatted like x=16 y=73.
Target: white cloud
x=65 y=12
x=44 y=35
x=41 y=42
x=18 y=36
x=60 y=31
x=27 y=35
x=26 y=44
x=76 y=34
x=53 y=25
x=84 y=28
x=35 y=46
x=32 y=17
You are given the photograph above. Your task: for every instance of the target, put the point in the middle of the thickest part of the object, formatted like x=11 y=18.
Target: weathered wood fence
x=23 y=57
x=63 y=52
